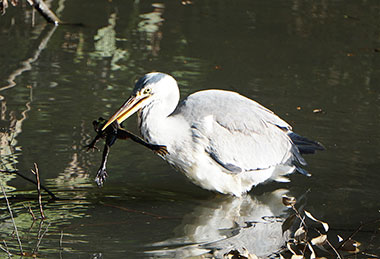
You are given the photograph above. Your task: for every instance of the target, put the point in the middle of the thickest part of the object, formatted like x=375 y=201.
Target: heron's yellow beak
x=132 y=105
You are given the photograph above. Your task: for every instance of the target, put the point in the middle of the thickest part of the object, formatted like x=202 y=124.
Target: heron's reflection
x=221 y=224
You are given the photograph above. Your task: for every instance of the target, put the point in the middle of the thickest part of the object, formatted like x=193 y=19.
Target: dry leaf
x=289 y=246
x=288 y=201
x=351 y=246
x=324 y=224
x=312 y=255
x=300 y=234
x=319 y=241
x=288 y=223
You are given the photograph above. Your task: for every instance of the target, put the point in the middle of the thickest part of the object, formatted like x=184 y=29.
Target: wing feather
x=237 y=132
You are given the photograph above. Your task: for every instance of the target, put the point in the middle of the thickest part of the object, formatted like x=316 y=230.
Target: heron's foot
x=101 y=177
x=160 y=150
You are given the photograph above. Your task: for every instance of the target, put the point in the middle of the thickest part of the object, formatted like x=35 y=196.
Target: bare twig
x=60 y=244
x=40 y=239
x=298 y=215
x=32 y=181
x=45 y=11
x=31 y=226
x=60 y=240
x=30 y=211
x=36 y=173
x=339 y=256
x=6 y=249
x=13 y=221
x=334 y=249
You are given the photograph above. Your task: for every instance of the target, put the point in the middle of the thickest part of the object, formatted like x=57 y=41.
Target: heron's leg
x=125 y=134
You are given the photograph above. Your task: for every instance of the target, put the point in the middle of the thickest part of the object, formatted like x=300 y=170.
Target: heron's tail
x=305 y=145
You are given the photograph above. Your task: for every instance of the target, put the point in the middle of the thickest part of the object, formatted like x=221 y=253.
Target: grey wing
x=238 y=133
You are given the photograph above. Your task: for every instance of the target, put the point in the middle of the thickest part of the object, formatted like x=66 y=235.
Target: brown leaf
x=300 y=234
x=288 y=223
x=288 y=201
x=351 y=246
x=312 y=255
x=319 y=241
x=324 y=224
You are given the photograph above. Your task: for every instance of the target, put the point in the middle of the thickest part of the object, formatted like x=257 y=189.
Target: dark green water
x=291 y=56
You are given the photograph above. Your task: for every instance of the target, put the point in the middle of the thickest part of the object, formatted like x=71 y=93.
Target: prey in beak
x=132 y=105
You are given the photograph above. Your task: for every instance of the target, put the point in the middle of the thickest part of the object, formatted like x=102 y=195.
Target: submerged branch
x=32 y=181
x=35 y=250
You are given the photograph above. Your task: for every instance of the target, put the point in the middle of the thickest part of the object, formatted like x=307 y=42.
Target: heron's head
x=152 y=87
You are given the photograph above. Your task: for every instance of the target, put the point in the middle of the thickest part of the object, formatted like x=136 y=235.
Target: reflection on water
x=37 y=234
x=222 y=224
x=214 y=226
x=9 y=150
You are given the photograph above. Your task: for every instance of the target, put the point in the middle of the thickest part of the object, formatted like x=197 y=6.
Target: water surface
x=293 y=57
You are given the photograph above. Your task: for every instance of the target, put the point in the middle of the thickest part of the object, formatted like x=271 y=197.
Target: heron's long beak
x=132 y=105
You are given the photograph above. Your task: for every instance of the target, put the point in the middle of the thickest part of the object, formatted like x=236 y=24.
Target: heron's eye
x=147 y=90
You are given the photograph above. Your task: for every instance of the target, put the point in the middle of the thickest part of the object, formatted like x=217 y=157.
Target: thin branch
x=302 y=219
x=45 y=11
x=30 y=211
x=40 y=239
x=334 y=249
x=36 y=173
x=60 y=244
x=13 y=221
x=30 y=180
x=6 y=249
x=339 y=256
x=60 y=240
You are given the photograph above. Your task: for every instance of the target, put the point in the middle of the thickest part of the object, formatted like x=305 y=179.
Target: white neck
x=157 y=126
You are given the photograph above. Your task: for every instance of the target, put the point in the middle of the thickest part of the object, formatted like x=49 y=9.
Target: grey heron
x=221 y=140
